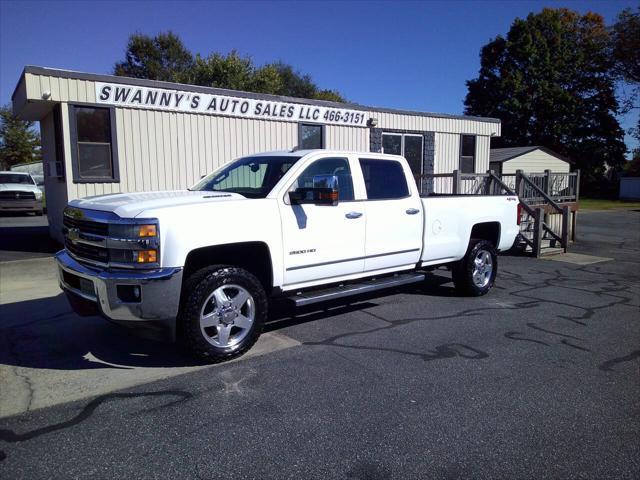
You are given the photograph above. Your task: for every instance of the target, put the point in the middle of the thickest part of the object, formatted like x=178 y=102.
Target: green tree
x=223 y=71
x=551 y=83
x=331 y=95
x=19 y=143
x=266 y=79
x=163 y=57
x=625 y=41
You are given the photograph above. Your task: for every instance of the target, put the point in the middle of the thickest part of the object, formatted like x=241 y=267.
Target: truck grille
x=87 y=226
x=106 y=240
x=16 y=195
x=87 y=252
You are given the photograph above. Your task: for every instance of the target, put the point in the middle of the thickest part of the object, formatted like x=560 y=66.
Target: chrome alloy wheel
x=482 y=268
x=227 y=316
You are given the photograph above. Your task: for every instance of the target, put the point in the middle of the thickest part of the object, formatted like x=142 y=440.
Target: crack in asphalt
x=614 y=290
x=607 y=366
x=88 y=410
x=512 y=336
x=534 y=326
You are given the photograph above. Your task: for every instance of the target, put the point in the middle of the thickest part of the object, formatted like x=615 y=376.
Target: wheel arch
x=489 y=231
x=255 y=257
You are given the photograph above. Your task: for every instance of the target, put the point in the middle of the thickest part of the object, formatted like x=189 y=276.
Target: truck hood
x=19 y=187
x=129 y=205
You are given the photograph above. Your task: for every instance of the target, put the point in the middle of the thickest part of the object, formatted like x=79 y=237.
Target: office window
x=413 y=154
x=92 y=145
x=310 y=136
x=392 y=143
x=384 y=179
x=408 y=145
x=468 y=154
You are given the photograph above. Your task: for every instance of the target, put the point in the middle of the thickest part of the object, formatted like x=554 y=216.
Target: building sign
x=204 y=103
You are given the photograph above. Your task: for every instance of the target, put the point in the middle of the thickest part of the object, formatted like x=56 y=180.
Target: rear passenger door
x=394 y=215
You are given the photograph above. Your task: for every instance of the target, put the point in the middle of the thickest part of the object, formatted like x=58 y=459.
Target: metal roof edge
x=36 y=70
x=15 y=89
x=529 y=150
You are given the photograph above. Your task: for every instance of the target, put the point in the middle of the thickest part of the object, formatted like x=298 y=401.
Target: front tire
x=475 y=274
x=222 y=313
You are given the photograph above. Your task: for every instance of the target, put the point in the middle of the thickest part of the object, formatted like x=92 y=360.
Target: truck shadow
x=45 y=334
x=283 y=314
x=28 y=238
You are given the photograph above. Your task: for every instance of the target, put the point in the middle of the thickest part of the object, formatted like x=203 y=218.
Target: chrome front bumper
x=23 y=205
x=159 y=291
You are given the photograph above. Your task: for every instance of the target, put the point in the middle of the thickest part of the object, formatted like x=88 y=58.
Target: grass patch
x=603 y=204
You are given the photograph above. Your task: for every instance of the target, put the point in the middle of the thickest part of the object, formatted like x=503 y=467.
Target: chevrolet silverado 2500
x=200 y=265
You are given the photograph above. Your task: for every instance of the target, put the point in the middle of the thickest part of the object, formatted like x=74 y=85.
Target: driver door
x=323 y=241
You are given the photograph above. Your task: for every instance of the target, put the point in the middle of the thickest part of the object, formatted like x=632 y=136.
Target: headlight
x=147 y=230
x=38 y=195
x=134 y=244
x=146 y=256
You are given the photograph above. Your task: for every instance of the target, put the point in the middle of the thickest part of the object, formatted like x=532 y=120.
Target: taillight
x=519 y=213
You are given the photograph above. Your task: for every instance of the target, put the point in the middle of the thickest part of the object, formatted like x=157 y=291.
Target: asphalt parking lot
x=25 y=236
x=538 y=379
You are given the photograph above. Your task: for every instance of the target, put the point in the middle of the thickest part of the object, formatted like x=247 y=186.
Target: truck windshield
x=15 y=178
x=252 y=177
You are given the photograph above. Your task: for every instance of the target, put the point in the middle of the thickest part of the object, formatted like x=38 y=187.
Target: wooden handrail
x=541 y=192
x=495 y=178
x=553 y=234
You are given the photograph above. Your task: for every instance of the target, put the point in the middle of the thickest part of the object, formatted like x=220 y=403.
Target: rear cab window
x=384 y=179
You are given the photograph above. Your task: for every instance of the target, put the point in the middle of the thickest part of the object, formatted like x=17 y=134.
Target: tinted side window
x=329 y=166
x=384 y=179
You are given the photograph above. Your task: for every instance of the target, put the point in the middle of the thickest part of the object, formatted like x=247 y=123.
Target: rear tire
x=222 y=313
x=475 y=274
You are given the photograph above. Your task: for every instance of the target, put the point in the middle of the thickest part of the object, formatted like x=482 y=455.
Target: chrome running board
x=314 y=296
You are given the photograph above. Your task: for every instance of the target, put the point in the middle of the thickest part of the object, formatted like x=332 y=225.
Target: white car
x=19 y=193
x=200 y=265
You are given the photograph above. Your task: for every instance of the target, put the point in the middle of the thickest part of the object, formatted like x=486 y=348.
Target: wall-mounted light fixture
x=46 y=95
x=372 y=122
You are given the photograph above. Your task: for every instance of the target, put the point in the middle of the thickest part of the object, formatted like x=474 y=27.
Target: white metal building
x=528 y=159
x=105 y=134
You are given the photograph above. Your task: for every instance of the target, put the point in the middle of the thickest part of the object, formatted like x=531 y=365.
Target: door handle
x=412 y=211
x=353 y=215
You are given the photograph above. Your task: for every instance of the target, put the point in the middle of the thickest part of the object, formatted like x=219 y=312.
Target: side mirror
x=324 y=192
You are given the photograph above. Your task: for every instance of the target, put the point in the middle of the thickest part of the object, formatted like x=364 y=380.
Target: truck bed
x=449 y=220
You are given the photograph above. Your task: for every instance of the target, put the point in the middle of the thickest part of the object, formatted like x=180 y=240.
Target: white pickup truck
x=200 y=265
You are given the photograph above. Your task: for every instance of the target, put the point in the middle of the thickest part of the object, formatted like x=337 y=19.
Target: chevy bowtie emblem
x=73 y=234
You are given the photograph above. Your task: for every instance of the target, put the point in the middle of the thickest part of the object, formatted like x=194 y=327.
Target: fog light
x=146 y=256
x=129 y=293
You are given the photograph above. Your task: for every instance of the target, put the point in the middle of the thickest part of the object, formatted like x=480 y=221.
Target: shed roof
x=505 y=154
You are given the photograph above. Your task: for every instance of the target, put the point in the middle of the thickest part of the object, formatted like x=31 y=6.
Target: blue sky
x=410 y=55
